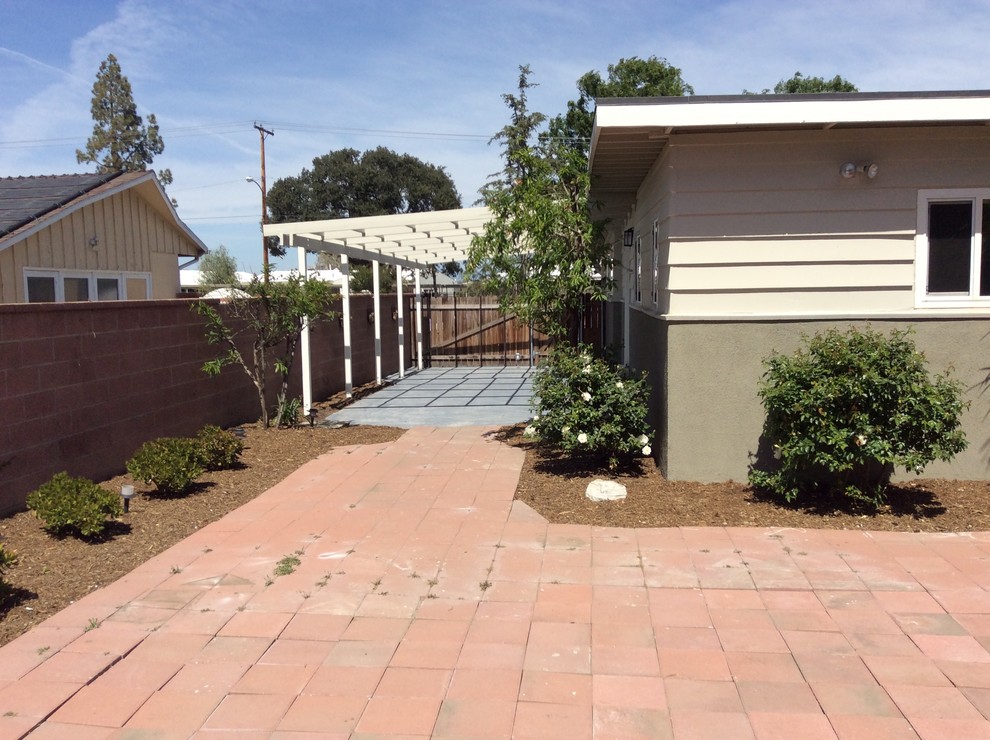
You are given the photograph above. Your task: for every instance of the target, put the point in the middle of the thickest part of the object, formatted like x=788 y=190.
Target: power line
x=234 y=127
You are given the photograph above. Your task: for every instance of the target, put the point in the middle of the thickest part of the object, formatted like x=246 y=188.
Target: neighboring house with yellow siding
x=90 y=237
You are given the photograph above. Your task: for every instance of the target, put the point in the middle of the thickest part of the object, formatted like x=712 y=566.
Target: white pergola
x=412 y=241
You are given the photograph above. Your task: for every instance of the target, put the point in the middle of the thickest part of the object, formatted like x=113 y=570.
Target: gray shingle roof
x=24 y=199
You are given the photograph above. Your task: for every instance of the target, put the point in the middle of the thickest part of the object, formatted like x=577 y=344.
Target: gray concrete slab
x=446 y=397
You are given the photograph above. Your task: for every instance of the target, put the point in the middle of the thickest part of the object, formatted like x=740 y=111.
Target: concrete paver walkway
x=425 y=602
x=447 y=397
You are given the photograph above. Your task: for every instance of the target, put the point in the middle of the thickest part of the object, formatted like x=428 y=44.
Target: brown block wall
x=82 y=386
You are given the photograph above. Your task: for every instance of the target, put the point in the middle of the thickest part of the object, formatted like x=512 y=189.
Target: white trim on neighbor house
x=93 y=279
x=97 y=194
x=970 y=298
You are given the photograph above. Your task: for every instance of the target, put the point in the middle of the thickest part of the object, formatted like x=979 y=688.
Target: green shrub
x=171 y=464
x=7 y=559
x=218 y=449
x=584 y=406
x=848 y=408
x=73 y=505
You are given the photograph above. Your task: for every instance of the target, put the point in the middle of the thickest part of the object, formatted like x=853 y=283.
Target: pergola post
x=304 y=347
x=345 y=300
x=401 y=320
x=377 y=309
x=419 y=322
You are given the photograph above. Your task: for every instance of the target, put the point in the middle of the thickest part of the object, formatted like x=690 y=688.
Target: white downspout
x=401 y=319
x=377 y=309
x=304 y=346
x=419 y=322
x=345 y=299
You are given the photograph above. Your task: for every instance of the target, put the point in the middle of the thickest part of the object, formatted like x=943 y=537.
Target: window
x=655 y=293
x=41 y=289
x=953 y=253
x=639 y=269
x=58 y=286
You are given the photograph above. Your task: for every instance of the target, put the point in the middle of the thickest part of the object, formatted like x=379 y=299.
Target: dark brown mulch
x=554 y=486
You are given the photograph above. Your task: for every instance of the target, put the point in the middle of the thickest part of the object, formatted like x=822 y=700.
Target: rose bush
x=586 y=406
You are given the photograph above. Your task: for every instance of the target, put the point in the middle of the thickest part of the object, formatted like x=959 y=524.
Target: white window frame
x=655 y=292
x=91 y=276
x=639 y=269
x=924 y=299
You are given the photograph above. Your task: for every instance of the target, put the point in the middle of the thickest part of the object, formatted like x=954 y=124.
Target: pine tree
x=120 y=142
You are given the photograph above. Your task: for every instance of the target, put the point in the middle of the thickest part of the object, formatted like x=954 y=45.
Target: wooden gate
x=473 y=331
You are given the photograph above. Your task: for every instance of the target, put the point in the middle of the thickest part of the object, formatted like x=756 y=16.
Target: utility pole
x=262 y=132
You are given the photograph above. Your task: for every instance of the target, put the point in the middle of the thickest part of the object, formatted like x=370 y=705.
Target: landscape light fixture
x=627 y=238
x=127 y=493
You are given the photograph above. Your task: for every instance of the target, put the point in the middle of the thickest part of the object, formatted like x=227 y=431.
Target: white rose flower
x=529 y=431
x=582 y=438
x=618 y=384
x=586 y=396
x=647 y=450
x=565 y=430
x=776 y=452
x=643 y=439
x=860 y=440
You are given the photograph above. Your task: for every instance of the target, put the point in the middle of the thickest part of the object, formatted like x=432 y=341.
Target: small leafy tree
x=842 y=412
x=120 y=142
x=542 y=253
x=218 y=268
x=271 y=319
x=589 y=408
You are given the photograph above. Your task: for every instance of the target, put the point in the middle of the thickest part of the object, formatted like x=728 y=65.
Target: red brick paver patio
x=427 y=603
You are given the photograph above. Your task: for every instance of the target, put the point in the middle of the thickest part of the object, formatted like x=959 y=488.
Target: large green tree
x=627 y=78
x=801 y=84
x=347 y=183
x=542 y=253
x=121 y=141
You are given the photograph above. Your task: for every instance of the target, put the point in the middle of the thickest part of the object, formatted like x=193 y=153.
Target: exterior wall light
x=850 y=170
x=627 y=238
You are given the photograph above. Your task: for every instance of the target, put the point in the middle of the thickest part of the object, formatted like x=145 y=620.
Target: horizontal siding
x=763 y=223
x=885 y=248
x=790 y=302
x=793 y=276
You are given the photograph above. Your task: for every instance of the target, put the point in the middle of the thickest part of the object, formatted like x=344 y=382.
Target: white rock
x=605 y=490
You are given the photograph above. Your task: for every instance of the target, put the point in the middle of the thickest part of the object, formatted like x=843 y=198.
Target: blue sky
x=422 y=77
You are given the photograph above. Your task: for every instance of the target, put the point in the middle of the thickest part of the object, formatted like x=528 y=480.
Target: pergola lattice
x=412 y=241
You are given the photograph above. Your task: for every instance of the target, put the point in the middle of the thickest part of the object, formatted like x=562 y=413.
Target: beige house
x=90 y=237
x=742 y=223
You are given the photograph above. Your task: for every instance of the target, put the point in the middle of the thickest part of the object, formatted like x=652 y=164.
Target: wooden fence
x=472 y=330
